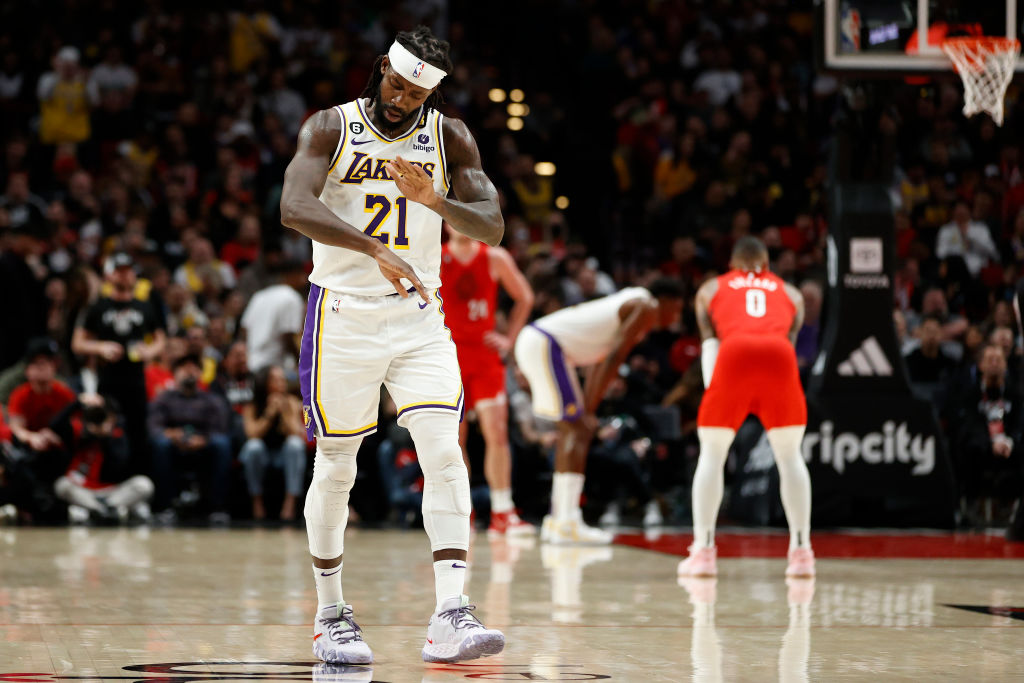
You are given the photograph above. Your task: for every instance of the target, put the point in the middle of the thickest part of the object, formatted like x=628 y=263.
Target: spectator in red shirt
x=244 y=249
x=35 y=404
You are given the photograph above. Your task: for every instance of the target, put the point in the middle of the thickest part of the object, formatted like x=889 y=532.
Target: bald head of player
x=749 y=255
x=395 y=90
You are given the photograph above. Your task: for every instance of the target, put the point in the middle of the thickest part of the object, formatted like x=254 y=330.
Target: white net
x=986 y=66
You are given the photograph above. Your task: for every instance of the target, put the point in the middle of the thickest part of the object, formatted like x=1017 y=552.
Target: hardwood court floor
x=198 y=605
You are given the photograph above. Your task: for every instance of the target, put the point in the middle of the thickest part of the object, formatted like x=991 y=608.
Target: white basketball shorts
x=353 y=344
x=554 y=386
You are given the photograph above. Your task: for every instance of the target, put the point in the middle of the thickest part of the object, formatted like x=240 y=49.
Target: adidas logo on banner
x=867 y=360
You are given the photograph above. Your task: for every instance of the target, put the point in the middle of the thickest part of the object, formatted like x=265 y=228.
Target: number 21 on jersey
x=757 y=303
x=380 y=206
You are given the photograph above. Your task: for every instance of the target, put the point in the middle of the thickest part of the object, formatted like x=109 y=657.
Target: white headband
x=412 y=68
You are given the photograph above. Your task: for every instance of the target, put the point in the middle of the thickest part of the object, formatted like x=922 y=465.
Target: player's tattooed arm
x=637 y=318
x=475 y=211
x=302 y=210
x=798 y=320
x=702 y=304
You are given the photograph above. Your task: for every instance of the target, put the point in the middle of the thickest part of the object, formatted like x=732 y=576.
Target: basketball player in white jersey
x=597 y=335
x=369 y=184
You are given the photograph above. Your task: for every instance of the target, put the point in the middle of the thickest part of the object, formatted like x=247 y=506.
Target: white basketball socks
x=501 y=500
x=709 y=482
x=328 y=587
x=449 y=580
x=566 y=489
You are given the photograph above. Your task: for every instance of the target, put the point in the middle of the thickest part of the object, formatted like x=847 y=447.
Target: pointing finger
x=419 y=287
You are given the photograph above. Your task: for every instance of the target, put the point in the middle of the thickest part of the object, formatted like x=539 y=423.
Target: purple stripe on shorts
x=307 y=354
x=560 y=370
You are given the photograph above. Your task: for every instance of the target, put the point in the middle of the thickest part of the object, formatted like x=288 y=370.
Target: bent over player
x=369 y=183
x=471 y=272
x=749 y=319
x=599 y=334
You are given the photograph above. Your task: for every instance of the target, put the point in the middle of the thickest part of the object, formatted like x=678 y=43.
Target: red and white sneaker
x=509 y=524
x=702 y=562
x=801 y=563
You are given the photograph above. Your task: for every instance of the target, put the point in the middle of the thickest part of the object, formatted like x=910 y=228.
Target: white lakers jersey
x=586 y=332
x=360 y=192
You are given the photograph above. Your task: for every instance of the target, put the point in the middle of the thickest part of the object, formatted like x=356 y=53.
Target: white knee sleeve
x=446 y=504
x=326 y=509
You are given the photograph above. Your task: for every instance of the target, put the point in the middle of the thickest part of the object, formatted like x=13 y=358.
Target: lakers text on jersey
x=360 y=192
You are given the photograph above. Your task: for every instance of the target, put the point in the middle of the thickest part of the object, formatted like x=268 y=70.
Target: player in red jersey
x=749 y=319
x=470 y=274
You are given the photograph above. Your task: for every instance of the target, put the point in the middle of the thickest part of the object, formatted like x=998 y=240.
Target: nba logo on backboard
x=418 y=70
x=849 y=31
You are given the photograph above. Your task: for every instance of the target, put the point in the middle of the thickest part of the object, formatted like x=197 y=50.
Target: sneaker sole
x=333 y=657
x=801 y=574
x=474 y=647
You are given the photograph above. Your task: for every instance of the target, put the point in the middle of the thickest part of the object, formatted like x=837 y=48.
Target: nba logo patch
x=418 y=70
x=336 y=305
x=305 y=416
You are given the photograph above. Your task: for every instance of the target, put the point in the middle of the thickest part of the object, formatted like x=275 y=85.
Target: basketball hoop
x=986 y=67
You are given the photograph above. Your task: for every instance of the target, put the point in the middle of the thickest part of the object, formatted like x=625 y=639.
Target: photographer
x=100 y=459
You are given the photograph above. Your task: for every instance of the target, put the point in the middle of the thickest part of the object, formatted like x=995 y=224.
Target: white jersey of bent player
x=360 y=192
x=586 y=332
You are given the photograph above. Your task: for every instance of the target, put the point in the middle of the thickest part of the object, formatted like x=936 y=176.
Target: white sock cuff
x=501 y=500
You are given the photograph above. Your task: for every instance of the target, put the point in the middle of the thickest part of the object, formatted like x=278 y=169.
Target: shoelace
x=338 y=633
x=461 y=617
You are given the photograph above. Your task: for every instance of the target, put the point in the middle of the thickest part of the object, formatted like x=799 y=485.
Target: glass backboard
x=905 y=36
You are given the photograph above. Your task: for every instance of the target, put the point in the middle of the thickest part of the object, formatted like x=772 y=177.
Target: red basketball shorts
x=754 y=375
x=483 y=374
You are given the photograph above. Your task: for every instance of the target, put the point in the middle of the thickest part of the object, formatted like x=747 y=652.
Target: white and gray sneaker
x=455 y=635
x=337 y=638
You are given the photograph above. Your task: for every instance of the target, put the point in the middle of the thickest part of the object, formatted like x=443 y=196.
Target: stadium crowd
x=152 y=301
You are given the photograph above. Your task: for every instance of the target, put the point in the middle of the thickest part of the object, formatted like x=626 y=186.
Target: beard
x=383 y=122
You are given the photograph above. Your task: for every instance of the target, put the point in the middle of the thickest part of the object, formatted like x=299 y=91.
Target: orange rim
x=973 y=46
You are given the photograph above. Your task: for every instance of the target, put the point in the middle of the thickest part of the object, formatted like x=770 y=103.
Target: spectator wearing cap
x=274 y=317
x=35 y=412
x=189 y=430
x=65 y=100
x=34 y=405
x=119 y=334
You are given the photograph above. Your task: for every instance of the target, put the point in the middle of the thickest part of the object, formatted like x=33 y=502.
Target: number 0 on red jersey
x=756 y=371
